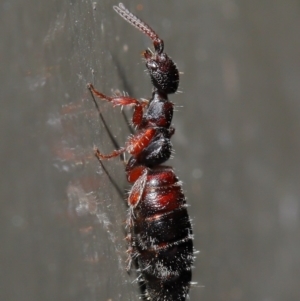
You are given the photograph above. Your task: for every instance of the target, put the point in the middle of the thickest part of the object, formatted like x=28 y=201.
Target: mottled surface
x=237 y=145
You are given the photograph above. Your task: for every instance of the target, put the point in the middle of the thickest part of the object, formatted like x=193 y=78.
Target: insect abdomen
x=162 y=237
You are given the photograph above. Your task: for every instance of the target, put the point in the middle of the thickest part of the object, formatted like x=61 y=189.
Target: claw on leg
x=115 y=153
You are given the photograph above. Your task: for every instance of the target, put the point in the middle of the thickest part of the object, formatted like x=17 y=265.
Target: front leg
x=121 y=100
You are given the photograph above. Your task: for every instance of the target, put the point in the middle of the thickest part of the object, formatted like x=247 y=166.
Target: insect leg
x=135 y=145
x=113 y=140
x=115 y=153
x=121 y=100
x=116 y=145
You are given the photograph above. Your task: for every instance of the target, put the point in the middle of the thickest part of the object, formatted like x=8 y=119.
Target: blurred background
x=237 y=145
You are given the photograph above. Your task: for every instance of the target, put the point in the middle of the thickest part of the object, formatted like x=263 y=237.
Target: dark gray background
x=237 y=145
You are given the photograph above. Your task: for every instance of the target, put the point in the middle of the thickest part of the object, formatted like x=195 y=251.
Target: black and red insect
x=159 y=229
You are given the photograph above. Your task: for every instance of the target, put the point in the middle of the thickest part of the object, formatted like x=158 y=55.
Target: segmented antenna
x=139 y=24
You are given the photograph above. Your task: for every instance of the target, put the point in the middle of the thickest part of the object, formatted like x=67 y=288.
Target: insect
x=159 y=229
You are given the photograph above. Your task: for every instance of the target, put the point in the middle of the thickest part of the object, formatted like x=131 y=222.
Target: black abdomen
x=162 y=237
